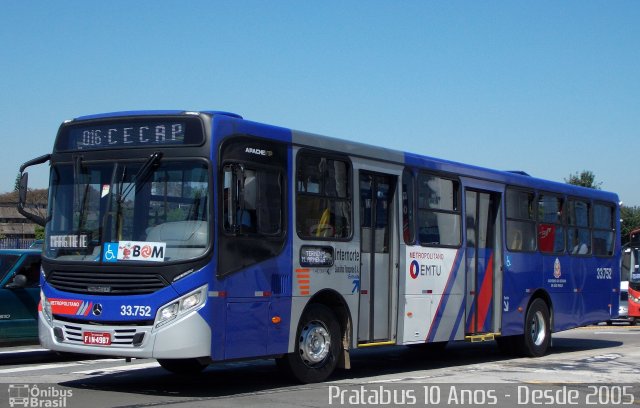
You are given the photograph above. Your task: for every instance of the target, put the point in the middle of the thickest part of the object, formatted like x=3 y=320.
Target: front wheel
x=537 y=330
x=317 y=346
x=183 y=365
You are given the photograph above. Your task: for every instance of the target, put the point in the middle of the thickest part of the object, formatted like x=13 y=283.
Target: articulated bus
x=201 y=237
x=630 y=279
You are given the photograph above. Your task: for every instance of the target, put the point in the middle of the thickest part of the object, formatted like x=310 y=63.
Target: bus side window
x=252 y=201
x=323 y=197
x=521 y=221
x=603 y=229
x=579 y=220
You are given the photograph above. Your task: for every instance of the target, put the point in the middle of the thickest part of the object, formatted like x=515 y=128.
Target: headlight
x=634 y=299
x=46 y=307
x=190 y=302
x=169 y=312
x=181 y=306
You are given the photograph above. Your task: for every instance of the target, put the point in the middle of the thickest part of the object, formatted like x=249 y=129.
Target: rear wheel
x=317 y=346
x=537 y=330
x=183 y=365
x=634 y=321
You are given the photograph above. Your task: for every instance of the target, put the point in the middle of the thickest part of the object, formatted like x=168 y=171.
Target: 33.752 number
x=129 y=310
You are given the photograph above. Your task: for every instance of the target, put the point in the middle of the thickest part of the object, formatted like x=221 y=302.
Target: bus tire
x=537 y=330
x=317 y=346
x=183 y=365
x=633 y=321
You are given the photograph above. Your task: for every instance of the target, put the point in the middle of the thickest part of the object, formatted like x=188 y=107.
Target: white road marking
x=111 y=370
x=55 y=365
x=38 y=367
x=23 y=351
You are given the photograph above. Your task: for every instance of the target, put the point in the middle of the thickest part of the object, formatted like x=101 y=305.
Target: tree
x=630 y=221
x=39 y=232
x=16 y=184
x=585 y=178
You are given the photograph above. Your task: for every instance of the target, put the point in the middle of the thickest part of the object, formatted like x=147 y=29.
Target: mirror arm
x=38 y=160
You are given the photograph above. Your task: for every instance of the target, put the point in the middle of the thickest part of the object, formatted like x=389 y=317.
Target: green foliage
x=39 y=232
x=630 y=221
x=585 y=178
x=16 y=184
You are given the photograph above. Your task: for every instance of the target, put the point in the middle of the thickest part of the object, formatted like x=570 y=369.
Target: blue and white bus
x=202 y=237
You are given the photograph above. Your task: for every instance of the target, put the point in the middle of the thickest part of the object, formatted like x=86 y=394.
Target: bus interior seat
x=183 y=238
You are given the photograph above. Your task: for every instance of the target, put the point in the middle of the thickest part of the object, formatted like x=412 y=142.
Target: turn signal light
x=276 y=319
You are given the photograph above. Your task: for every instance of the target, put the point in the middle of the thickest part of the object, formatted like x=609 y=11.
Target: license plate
x=97 y=338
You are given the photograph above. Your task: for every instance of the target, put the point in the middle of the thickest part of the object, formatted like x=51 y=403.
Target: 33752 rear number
x=604 y=273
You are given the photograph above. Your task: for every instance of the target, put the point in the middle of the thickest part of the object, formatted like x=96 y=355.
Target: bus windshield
x=634 y=267
x=126 y=206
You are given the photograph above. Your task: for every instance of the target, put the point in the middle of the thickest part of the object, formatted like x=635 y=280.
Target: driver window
x=252 y=200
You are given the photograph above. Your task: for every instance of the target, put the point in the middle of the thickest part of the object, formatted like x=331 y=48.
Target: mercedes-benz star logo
x=97 y=309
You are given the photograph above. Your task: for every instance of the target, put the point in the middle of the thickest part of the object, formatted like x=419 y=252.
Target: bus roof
x=515 y=178
x=152 y=113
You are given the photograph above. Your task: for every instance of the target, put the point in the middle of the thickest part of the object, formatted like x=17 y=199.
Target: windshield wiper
x=141 y=175
x=79 y=200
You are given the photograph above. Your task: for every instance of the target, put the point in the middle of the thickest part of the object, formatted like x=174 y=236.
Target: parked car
x=19 y=294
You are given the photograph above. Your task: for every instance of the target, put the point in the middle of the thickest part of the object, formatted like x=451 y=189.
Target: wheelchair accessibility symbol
x=110 y=253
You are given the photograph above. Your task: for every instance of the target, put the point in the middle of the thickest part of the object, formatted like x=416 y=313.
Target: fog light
x=137 y=339
x=57 y=332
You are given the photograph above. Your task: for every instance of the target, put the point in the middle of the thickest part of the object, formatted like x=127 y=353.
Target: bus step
x=474 y=338
x=377 y=344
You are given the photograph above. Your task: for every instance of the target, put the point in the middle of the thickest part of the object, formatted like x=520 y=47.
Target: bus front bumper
x=189 y=337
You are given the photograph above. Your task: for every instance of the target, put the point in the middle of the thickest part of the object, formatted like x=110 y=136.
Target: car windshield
x=6 y=262
x=136 y=212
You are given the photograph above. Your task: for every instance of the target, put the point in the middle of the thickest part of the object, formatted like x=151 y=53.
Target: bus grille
x=106 y=283
x=120 y=337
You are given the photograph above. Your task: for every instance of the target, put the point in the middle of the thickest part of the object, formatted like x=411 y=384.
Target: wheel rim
x=315 y=343
x=538 y=329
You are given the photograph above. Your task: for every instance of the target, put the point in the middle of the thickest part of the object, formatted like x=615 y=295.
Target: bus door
x=377 y=279
x=483 y=262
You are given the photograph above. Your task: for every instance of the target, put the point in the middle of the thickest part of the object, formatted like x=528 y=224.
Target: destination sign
x=128 y=135
x=316 y=256
x=119 y=134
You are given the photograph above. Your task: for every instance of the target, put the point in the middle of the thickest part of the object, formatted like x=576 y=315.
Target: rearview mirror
x=24 y=187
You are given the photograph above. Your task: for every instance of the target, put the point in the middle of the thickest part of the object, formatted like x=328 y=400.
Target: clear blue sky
x=547 y=87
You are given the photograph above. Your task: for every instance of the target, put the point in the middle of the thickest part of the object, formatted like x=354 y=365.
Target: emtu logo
x=414 y=269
